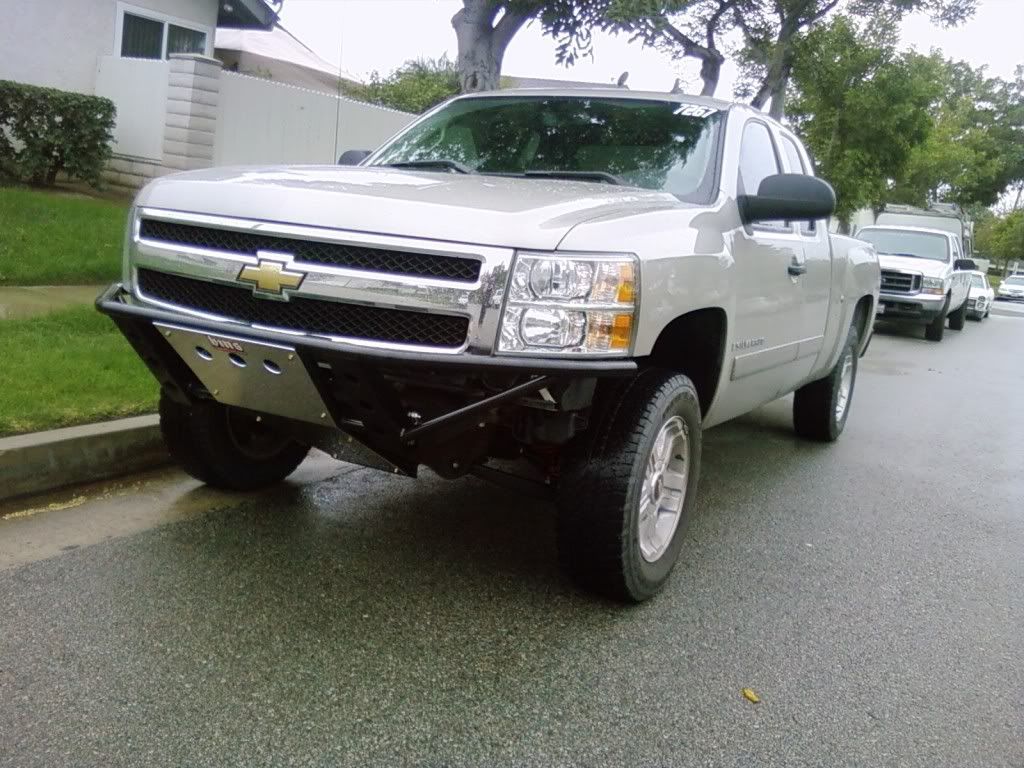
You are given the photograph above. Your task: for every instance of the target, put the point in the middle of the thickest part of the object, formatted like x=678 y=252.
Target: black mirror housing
x=788 y=197
x=354 y=156
x=965 y=264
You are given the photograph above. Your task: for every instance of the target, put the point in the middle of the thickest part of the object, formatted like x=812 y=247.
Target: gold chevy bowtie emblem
x=270 y=277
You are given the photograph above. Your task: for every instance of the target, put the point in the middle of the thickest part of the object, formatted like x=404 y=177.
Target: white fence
x=212 y=117
x=260 y=121
x=138 y=88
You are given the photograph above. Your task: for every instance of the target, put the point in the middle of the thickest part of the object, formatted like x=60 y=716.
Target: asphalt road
x=870 y=592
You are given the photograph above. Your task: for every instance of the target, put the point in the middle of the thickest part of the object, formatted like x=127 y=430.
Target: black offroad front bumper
x=407 y=408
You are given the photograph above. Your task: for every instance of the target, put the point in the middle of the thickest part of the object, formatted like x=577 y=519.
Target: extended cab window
x=663 y=145
x=796 y=165
x=758 y=161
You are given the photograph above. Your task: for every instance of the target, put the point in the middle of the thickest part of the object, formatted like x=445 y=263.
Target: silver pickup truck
x=571 y=285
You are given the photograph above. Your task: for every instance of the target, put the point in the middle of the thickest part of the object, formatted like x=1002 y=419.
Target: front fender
x=684 y=262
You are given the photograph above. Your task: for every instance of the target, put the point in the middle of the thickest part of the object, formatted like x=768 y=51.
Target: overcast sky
x=367 y=35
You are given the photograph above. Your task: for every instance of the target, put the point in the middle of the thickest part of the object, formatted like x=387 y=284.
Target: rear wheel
x=958 y=319
x=820 y=408
x=629 y=488
x=227 y=447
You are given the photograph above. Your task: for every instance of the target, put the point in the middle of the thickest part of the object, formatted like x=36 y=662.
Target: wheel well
x=861 y=316
x=694 y=344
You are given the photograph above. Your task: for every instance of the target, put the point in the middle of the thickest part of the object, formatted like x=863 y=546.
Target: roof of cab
x=608 y=93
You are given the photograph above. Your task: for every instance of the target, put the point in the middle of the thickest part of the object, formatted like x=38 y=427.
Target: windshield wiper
x=908 y=255
x=443 y=164
x=601 y=176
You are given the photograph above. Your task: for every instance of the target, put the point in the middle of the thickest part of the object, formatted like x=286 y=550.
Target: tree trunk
x=482 y=42
x=710 y=71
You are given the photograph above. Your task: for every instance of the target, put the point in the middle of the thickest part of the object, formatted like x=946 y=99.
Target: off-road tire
x=599 y=495
x=958 y=319
x=200 y=439
x=936 y=329
x=815 y=403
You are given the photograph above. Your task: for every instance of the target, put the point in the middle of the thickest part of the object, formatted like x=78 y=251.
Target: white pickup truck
x=925 y=277
x=573 y=283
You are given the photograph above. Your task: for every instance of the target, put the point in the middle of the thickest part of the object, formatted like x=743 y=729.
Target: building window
x=184 y=40
x=154 y=36
x=142 y=38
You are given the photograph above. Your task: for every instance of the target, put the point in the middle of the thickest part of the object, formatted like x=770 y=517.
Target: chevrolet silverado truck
x=554 y=290
x=925 y=277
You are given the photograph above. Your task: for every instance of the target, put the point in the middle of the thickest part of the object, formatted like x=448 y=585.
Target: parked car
x=581 y=279
x=1011 y=289
x=925 y=277
x=979 y=302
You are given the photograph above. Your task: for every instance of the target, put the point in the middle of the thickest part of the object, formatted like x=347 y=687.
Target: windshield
x=1014 y=281
x=661 y=145
x=977 y=281
x=919 y=245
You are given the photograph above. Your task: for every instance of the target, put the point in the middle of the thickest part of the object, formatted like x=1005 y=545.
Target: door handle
x=797 y=268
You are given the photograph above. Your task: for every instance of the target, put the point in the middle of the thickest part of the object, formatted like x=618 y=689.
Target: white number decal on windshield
x=693 y=110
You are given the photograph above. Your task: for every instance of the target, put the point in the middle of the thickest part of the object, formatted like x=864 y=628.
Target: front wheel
x=821 y=407
x=629 y=487
x=227 y=447
x=958 y=319
x=936 y=329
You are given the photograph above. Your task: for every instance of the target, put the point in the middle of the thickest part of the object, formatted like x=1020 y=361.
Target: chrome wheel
x=664 y=489
x=845 y=387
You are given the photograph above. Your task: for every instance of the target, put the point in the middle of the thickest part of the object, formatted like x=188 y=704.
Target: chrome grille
x=900 y=282
x=313 y=316
x=382 y=260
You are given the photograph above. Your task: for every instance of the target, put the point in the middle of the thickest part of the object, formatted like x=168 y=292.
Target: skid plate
x=269 y=378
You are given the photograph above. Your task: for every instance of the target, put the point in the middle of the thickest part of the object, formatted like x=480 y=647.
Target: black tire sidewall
x=646 y=578
x=849 y=349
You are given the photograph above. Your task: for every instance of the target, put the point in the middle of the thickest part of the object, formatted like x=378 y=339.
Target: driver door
x=773 y=346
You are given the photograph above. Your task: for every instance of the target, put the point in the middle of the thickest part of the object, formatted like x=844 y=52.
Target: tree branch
x=508 y=25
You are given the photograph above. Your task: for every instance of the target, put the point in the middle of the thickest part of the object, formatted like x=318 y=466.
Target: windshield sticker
x=695 y=110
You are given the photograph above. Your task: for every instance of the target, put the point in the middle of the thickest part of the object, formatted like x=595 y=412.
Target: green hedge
x=44 y=132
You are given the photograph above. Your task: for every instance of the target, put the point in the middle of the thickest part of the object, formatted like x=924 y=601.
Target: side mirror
x=788 y=197
x=353 y=156
x=965 y=264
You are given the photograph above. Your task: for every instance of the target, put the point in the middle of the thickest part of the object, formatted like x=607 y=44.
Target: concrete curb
x=44 y=461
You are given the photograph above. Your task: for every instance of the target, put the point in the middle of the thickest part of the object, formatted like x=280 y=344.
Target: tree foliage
x=861 y=107
x=773 y=29
x=976 y=150
x=416 y=86
x=1002 y=237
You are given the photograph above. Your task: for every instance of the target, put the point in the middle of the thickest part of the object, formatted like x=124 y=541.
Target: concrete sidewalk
x=19 y=301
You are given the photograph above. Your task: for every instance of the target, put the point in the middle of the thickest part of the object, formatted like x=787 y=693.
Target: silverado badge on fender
x=271 y=278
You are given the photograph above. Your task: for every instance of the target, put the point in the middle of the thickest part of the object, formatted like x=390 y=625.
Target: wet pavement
x=21 y=301
x=868 y=591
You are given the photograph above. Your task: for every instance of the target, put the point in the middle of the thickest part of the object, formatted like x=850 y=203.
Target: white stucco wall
x=57 y=43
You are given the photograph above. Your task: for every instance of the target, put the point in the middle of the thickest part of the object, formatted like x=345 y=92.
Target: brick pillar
x=192 y=93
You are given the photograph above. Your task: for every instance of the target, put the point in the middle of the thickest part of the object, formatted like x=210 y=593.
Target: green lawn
x=57 y=238
x=71 y=367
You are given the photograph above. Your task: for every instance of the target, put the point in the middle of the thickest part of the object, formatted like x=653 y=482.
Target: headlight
x=573 y=303
x=934 y=285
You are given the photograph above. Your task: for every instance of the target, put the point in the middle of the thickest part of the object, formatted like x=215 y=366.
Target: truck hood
x=478 y=209
x=929 y=267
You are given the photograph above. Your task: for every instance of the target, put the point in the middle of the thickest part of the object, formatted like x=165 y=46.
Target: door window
x=758 y=161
